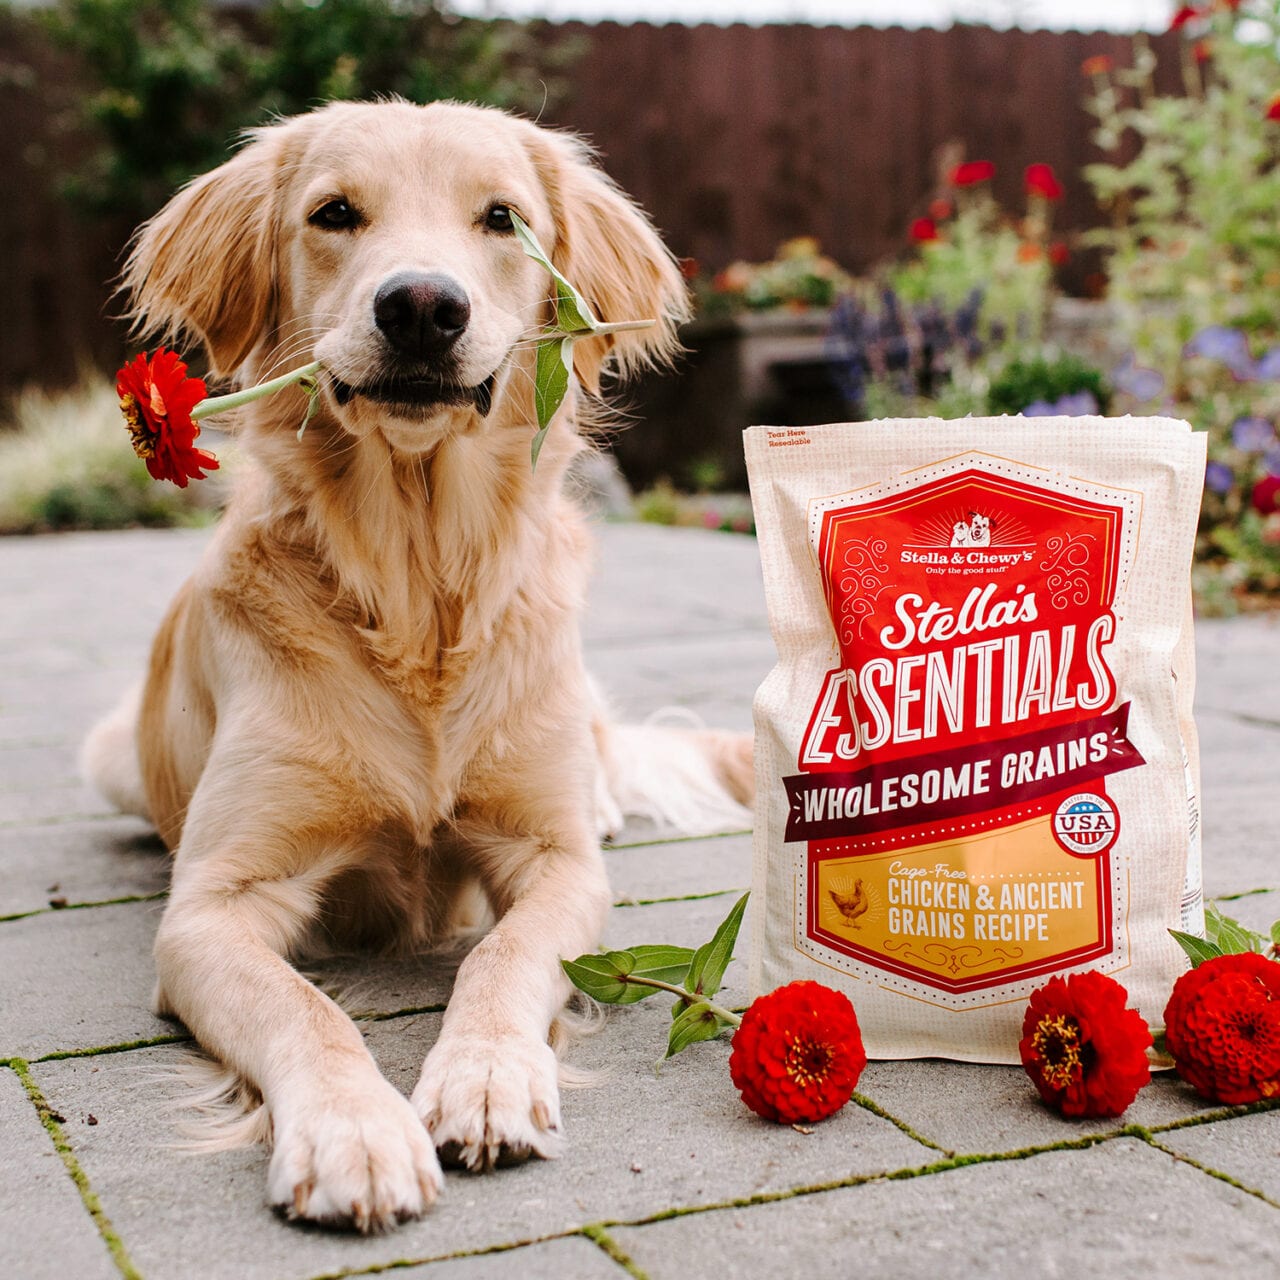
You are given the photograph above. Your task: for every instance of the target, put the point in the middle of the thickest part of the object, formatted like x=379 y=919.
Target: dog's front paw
x=490 y=1101
x=352 y=1155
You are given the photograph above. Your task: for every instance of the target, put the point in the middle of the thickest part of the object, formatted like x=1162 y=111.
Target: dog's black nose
x=421 y=315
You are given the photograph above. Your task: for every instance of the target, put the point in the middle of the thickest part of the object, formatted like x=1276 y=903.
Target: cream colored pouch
x=975 y=758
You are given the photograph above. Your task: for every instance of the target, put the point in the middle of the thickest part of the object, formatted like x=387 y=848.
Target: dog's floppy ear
x=607 y=248
x=204 y=266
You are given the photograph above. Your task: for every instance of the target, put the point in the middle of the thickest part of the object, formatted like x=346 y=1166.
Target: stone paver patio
x=941 y=1169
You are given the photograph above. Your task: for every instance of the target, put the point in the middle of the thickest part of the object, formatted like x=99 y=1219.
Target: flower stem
x=685 y=994
x=234 y=399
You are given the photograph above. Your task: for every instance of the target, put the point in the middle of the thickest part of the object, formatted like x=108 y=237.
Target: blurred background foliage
x=169 y=84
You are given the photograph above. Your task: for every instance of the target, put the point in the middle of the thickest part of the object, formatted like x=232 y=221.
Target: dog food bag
x=976 y=763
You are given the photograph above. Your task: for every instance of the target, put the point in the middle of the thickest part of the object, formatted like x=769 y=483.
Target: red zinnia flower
x=1083 y=1049
x=1098 y=65
x=798 y=1053
x=1188 y=13
x=157 y=398
x=1222 y=1027
x=1266 y=495
x=1273 y=110
x=972 y=171
x=1040 y=180
x=923 y=229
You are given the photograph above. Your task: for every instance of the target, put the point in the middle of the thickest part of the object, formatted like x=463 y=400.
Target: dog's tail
x=109 y=757
x=685 y=777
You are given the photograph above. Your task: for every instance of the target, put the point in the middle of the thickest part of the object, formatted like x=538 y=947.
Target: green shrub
x=1047 y=381
x=168 y=84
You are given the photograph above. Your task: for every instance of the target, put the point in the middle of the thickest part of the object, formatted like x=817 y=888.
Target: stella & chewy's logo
x=960 y=541
x=951 y=791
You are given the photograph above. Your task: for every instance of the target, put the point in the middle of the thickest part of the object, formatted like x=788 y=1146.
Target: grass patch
x=66 y=463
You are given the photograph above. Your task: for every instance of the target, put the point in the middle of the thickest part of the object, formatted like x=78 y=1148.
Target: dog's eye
x=499 y=219
x=335 y=215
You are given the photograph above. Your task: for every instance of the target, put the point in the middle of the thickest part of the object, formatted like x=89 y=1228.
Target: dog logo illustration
x=973 y=532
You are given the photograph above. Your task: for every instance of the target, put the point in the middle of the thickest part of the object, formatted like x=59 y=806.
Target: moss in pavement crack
x=1222 y=1113
x=877 y=1110
x=864 y=1179
x=399 y=1264
x=1213 y=1173
x=684 y=897
x=603 y=1240
x=52 y=1123
x=646 y=844
x=1244 y=893
x=153 y=1042
x=84 y=906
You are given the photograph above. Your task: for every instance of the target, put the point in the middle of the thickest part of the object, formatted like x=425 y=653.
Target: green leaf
x=665 y=963
x=1275 y=934
x=698 y=1022
x=551 y=385
x=1197 y=948
x=312 y=387
x=1231 y=937
x=601 y=976
x=573 y=315
x=619 y=977
x=712 y=958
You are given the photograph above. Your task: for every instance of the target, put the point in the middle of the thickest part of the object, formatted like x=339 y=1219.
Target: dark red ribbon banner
x=975 y=778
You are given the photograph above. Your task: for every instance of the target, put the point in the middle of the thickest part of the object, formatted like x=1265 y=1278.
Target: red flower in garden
x=1266 y=495
x=940 y=210
x=1098 y=65
x=157 y=398
x=1188 y=13
x=1202 y=50
x=971 y=172
x=1222 y=1027
x=1273 y=109
x=1040 y=180
x=1059 y=254
x=798 y=1053
x=1085 y=1051
x=923 y=230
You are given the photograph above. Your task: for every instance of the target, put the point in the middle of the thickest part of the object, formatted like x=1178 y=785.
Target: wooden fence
x=735 y=138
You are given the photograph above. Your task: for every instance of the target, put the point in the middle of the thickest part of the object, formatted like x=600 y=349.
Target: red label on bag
x=952 y=784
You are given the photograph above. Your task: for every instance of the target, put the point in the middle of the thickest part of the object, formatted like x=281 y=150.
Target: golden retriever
x=371 y=693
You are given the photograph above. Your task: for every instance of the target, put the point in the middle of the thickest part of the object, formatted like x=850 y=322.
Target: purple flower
x=1219 y=477
x=1227 y=346
x=1268 y=367
x=1271 y=462
x=1252 y=434
x=1078 y=405
x=1140 y=383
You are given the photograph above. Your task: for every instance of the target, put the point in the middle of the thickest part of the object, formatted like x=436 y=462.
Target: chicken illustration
x=850 y=905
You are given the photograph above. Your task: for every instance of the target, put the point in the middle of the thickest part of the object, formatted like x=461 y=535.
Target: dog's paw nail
x=450 y=1153
x=301 y=1199
x=542 y=1115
